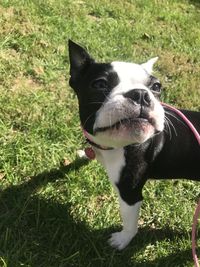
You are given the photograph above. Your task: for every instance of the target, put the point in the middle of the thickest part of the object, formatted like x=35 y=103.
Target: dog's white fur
x=120 y=122
x=114 y=161
x=117 y=107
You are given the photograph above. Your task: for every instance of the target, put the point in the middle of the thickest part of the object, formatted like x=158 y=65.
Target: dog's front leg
x=130 y=215
x=129 y=194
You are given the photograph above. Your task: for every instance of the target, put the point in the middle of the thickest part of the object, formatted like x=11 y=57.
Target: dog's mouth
x=126 y=131
x=125 y=123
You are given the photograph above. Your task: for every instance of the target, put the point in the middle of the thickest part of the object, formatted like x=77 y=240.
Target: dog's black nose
x=139 y=96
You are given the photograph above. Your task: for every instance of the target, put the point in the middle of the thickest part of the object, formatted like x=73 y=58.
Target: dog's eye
x=99 y=84
x=156 y=87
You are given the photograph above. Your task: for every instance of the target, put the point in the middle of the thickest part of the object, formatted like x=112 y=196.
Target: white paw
x=120 y=240
x=81 y=154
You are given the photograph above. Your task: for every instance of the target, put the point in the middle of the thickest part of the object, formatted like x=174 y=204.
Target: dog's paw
x=81 y=154
x=120 y=240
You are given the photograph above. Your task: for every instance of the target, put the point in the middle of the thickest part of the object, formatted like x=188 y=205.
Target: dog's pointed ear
x=148 y=66
x=78 y=57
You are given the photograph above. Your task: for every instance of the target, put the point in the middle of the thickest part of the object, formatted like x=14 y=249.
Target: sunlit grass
x=54 y=209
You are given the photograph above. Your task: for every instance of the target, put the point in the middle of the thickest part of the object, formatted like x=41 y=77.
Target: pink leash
x=197 y=211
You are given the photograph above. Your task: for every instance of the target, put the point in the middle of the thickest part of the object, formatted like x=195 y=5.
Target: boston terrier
x=133 y=136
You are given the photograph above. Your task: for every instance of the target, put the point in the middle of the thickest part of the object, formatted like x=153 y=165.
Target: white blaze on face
x=130 y=75
x=117 y=107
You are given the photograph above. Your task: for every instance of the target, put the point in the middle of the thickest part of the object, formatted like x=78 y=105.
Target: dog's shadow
x=45 y=233
x=195 y=2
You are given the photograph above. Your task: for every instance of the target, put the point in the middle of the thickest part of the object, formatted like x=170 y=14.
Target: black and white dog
x=132 y=135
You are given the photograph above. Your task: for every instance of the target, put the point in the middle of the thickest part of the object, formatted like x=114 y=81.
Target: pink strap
x=86 y=134
x=195 y=221
x=191 y=126
x=197 y=211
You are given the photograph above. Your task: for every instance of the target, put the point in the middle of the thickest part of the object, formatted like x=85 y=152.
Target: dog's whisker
x=169 y=127
x=171 y=123
x=106 y=97
x=168 y=130
x=172 y=115
x=88 y=119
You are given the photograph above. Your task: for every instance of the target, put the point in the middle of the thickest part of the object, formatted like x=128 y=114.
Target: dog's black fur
x=173 y=153
x=165 y=156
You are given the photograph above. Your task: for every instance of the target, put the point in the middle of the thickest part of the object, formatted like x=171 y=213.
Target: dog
x=133 y=136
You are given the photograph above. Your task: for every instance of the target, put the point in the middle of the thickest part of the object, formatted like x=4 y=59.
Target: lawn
x=56 y=210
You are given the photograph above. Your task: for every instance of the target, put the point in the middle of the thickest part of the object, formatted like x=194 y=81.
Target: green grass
x=53 y=213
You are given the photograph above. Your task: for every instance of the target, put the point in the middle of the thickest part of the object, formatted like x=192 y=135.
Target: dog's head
x=118 y=101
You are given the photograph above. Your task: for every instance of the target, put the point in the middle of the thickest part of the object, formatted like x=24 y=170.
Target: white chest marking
x=113 y=161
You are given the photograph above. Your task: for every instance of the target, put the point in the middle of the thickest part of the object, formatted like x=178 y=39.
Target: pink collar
x=89 y=139
x=89 y=151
